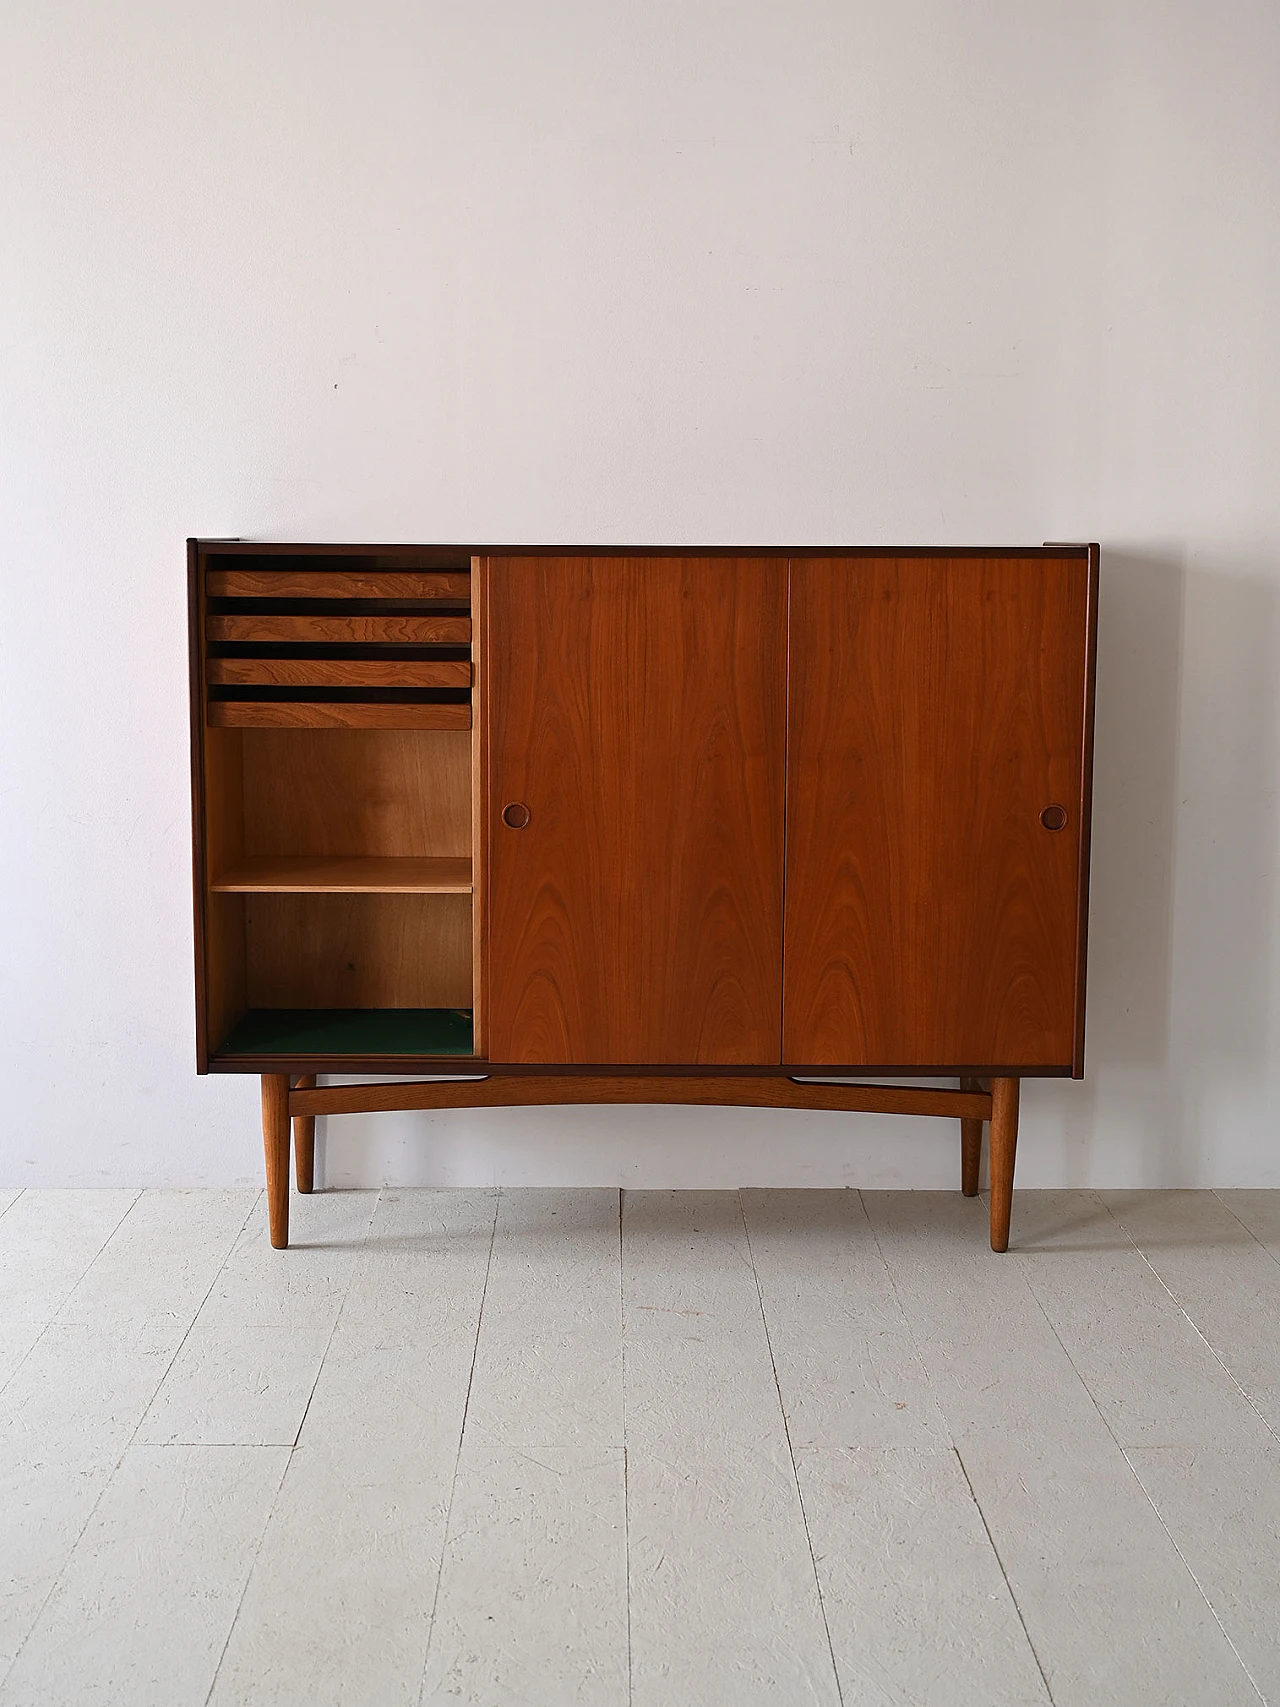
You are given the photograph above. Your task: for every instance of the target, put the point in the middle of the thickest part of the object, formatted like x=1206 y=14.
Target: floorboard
x=705 y=1448
x=134 y=1272
x=1226 y=1281
x=1205 y=1457
x=916 y=1603
x=725 y=1607
x=532 y=1602
x=1086 y=1556
x=337 y=1611
x=140 y=1616
x=49 y=1240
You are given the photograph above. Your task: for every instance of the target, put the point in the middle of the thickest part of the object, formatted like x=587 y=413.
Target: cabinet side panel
x=636 y=707
x=199 y=885
x=479 y=806
x=217 y=795
x=1086 y=810
x=936 y=709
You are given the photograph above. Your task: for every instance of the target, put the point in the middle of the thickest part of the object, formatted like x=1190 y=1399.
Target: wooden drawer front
x=338 y=583
x=339 y=672
x=358 y=641
x=352 y=630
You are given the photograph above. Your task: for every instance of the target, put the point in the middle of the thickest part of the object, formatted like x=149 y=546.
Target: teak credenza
x=641 y=825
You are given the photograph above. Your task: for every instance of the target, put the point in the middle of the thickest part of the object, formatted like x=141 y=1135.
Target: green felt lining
x=351 y=1031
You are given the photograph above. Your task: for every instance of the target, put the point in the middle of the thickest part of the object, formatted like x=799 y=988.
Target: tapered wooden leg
x=1004 y=1148
x=304 y=1139
x=970 y=1146
x=275 y=1140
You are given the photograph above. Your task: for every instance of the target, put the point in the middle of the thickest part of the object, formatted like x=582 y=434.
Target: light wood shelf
x=335 y=714
x=305 y=874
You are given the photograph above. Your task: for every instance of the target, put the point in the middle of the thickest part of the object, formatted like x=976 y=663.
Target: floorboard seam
x=262 y=1533
x=83 y=1530
x=1213 y=1611
x=247 y=1579
x=795 y=1468
x=626 y=1475
x=62 y=1302
x=1248 y=1229
x=457 y=1460
x=1192 y=1323
x=909 y=1328
x=248 y=1576
x=991 y=1541
x=337 y=1317
x=27 y=1353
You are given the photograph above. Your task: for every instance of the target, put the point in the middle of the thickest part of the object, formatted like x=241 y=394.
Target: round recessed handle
x=1054 y=817
x=516 y=815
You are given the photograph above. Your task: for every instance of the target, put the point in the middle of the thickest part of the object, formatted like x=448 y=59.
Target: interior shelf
x=351 y=1031
x=300 y=874
x=338 y=714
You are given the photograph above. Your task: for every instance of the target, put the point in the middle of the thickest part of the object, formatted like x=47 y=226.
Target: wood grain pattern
x=319 y=714
x=283 y=583
x=637 y=706
x=337 y=630
x=198 y=735
x=1086 y=811
x=224 y=957
x=1004 y=1149
x=479 y=809
x=295 y=874
x=275 y=1143
x=936 y=706
x=340 y=672
x=540 y=1089
x=358 y=951
x=333 y=793
x=970 y=1147
x=304 y=1141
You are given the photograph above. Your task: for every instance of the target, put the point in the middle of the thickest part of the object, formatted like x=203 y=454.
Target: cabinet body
x=770 y=812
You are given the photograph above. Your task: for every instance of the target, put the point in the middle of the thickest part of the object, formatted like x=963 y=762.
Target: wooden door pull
x=1054 y=817
x=516 y=815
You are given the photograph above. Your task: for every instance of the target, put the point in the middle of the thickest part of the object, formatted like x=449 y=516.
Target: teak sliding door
x=636 y=734
x=936 y=795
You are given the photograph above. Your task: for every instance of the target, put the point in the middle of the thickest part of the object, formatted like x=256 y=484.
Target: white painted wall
x=828 y=270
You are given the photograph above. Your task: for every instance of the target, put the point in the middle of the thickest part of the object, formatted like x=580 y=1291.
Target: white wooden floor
x=697 y=1448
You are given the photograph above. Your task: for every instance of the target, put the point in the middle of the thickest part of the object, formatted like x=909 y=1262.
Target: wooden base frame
x=300 y=1099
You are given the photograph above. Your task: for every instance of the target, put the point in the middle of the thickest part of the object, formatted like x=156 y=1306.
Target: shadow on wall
x=1183 y=870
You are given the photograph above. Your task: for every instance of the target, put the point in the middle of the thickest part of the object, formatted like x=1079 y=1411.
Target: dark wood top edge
x=1086 y=811
x=464 y=553
x=199 y=886
x=455 y=557
x=471 y=1066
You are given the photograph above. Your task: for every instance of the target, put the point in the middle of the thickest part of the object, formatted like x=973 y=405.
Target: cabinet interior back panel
x=936 y=707
x=358 y=951
x=394 y=793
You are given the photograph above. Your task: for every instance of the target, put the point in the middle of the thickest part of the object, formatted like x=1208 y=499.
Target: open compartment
x=338 y=905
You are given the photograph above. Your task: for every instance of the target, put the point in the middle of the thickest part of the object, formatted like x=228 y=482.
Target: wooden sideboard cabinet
x=665 y=826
